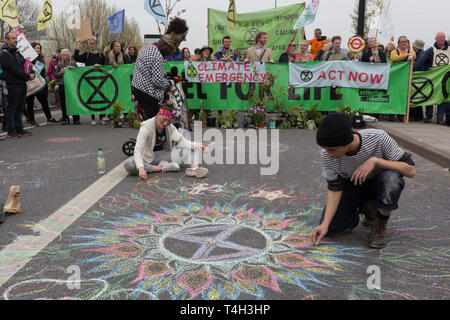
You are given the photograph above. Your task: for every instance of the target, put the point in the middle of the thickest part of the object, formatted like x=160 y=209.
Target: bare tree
x=97 y=11
x=170 y=12
x=375 y=10
x=28 y=17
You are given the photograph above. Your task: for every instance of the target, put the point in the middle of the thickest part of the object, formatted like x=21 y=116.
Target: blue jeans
x=385 y=189
x=443 y=110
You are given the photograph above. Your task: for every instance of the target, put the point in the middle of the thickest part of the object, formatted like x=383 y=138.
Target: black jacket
x=425 y=61
x=368 y=53
x=90 y=59
x=12 y=63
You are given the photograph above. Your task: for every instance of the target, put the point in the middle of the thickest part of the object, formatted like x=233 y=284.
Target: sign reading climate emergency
x=220 y=72
x=340 y=74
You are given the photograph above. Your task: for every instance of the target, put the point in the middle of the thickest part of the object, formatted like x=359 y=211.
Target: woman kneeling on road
x=154 y=152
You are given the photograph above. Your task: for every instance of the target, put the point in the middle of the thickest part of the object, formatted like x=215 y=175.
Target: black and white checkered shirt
x=149 y=73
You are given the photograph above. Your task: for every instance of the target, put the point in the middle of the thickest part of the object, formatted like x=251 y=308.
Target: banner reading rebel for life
x=235 y=96
x=219 y=71
x=278 y=23
x=344 y=74
x=92 y=90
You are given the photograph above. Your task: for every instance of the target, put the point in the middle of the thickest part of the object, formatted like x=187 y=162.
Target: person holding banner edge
x=91 y=58
x=364 y=171
x=435 y=57
x=149 y=83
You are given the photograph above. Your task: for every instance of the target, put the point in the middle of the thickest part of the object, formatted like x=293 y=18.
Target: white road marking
x=17 y=254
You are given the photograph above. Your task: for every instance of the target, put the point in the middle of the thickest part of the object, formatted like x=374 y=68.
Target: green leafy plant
x=297 y=117
x=315 y=115
x=230 y=119
x=221 y=120
x=137 y=124
x=117 y=111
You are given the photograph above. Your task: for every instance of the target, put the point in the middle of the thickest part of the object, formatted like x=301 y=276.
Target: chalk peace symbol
x=96 y=79
x=422 y=86
x=250 y=36
x=442 y=60
x=192 y=72
x=306 y=76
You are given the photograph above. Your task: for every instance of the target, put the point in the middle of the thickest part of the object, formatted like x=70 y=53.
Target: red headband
x=172 y=115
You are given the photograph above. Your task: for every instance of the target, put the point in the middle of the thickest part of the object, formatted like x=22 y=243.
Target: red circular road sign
x=356 y=44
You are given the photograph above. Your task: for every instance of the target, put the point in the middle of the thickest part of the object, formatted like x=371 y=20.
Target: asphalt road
x=235 y=235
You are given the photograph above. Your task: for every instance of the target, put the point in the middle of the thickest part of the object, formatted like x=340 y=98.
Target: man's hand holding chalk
x=318 y=233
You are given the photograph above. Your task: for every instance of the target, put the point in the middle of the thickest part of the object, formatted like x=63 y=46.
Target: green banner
x=431 y=88
x=92 y=90
x=223 y=96
x=278 y=23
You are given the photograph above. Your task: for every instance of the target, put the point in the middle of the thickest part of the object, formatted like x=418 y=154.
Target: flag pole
x=408 y=107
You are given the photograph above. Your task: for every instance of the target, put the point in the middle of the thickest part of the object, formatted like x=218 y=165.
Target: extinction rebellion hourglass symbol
x=191 y=71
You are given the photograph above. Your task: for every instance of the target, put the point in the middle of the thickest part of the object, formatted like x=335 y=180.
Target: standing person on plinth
x=259 y=53
x=149 y=83
x=225 y=53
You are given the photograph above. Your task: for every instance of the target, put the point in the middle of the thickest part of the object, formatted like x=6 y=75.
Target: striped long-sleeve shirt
x=374 y=143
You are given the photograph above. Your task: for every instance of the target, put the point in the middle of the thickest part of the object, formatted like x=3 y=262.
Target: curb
x=425 y=151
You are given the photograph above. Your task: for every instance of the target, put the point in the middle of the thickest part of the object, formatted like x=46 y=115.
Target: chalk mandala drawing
x=196 y=251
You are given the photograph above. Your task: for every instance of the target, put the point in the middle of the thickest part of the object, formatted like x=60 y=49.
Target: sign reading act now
x=340 y=74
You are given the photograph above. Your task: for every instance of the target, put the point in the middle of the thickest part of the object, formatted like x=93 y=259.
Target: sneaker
x=93 y=123
x=52 y=120
x=170 y=167
x=62 y=120
x=441 y=122
x=377 y=234
x=34 y=123
x=13 y=135
x=77 y=123
x=103 y=122
x=24 y=132
x=197 y=172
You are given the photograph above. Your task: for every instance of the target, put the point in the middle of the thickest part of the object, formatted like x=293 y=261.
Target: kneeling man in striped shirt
x=364 y=171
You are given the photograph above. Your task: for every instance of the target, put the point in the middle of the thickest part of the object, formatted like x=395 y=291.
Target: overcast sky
x=416 y=19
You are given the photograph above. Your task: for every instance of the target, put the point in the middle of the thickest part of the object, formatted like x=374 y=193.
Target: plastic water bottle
x=101 y=164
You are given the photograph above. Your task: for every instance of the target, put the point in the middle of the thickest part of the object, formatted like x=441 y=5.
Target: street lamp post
x=361 y=17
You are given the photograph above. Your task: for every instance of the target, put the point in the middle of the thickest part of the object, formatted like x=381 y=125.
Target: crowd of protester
x=16 y=71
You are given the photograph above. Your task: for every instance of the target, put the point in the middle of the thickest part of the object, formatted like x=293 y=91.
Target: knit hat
x=335 y=131
x=176 y=32
x=419 y=44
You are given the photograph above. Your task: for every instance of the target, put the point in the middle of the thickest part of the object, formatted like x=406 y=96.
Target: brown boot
x=376 y=237
x=12 y=205
x=369 y=210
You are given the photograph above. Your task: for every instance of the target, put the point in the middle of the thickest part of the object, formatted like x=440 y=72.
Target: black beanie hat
x=335 y=131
